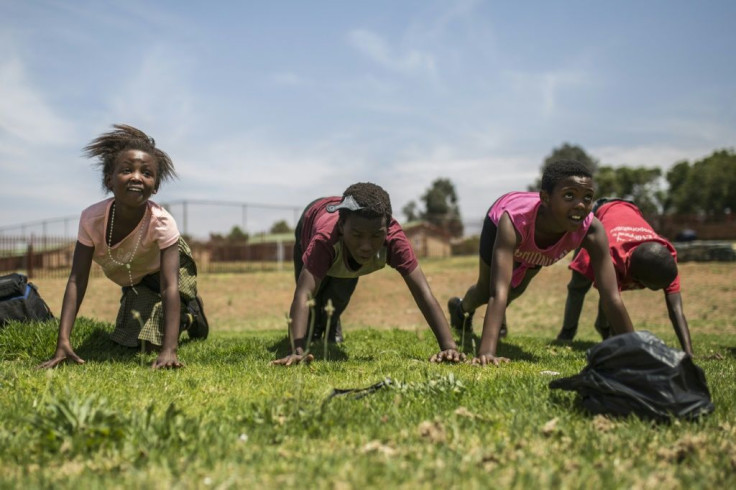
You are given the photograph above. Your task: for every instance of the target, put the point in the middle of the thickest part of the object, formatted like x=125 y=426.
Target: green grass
x=230 y=420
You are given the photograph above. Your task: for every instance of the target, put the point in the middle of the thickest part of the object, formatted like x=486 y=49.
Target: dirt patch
x=260 y=300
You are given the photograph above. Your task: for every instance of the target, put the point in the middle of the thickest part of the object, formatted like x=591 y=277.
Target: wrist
x=168 y=350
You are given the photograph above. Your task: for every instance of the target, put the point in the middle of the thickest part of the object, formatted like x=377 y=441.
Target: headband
x=348 y=202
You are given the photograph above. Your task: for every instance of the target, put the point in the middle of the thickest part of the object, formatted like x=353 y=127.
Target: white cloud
x=377 y=49
x=156 y=95
x=663 y=156
x=543 y=89
x=287 y=78
x=24 y=110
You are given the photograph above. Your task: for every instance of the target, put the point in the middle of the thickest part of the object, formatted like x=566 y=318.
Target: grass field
x=229 y=420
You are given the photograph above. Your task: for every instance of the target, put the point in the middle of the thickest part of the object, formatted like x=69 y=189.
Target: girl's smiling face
x=570 y=202
x=133 y=180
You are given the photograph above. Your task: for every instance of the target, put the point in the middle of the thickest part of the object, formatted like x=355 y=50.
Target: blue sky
x=281 y=102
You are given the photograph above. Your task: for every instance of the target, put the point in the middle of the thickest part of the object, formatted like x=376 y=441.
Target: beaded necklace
x=135 y=249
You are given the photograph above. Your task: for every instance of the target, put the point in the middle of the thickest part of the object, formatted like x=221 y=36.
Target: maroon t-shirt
x=325 y=255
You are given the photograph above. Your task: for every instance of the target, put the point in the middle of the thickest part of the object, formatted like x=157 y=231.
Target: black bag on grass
x=19 y=300
x=637 y=373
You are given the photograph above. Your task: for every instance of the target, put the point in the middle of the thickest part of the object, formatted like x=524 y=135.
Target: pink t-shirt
x=157 y=231
x=325 y=255
x=626 y=228
x=522 y=208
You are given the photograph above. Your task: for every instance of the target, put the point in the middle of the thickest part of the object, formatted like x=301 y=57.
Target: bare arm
x=306 y=287
x=596 y=243
x=171 y=300
x=427 y=303
x=76 y=287
x=502 y=268
x=679 y=322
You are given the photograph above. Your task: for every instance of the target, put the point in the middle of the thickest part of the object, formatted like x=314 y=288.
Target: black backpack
x=637 y=373
x=19 y=300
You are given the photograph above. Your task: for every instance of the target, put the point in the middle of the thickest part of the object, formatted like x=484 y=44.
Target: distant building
x=427 y=239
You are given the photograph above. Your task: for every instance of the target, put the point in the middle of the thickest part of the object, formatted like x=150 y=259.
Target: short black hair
x=653 y=265
x=373 y=200
x=559 y=170
x=108 y=146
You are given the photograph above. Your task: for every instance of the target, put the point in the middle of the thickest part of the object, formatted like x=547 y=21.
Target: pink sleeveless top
x=522 y=209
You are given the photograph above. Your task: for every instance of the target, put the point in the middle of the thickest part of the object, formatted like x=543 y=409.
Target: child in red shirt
x=641 y=258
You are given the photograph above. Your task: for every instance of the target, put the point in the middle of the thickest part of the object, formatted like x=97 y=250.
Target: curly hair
x=559 y=170
x=373 y=200
x=108 y=146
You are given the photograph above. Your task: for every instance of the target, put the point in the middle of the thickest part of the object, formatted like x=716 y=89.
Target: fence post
x=29 y=259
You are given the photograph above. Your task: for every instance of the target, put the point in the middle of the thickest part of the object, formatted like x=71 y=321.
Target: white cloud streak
x=24 y=111
x=376 y=48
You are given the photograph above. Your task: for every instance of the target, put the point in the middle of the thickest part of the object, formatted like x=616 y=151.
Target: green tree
x=281 y=226
x=411 y=211
x=440 y=207
x=237 y=235
x=677 y=180
x=639 y=184
x=565 y=152
x=707 y=186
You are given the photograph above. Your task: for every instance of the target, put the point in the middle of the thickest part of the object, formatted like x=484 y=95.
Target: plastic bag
x=637 y=373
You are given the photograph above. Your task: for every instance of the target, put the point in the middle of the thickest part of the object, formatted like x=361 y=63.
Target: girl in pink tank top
x=525 y=231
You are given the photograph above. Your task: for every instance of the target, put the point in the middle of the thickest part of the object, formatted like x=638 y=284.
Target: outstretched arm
x=679 y=322
x=76 y=287
x=306 y=288
x=502 y=268
x=171 y=302
x=427 y=303
x=596 y=243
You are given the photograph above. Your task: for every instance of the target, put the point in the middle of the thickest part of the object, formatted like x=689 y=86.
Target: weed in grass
x=329 y=309
x=466 y=315
x=310 y=304
x=288 y=332
x=77 y=425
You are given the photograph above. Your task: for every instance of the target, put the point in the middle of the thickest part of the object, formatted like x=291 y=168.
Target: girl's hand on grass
x=486 y=359
x=448 y=355
x=167 y=360
x=293 y=359
x=62 y=354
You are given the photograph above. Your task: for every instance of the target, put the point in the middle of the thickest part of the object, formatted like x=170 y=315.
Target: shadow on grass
x=576 y=345
x=98 y=347
x=504 y=349
x=335 y=352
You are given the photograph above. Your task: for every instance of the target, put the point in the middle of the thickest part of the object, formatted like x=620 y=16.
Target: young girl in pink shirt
x=525 y=231
x=138 y=246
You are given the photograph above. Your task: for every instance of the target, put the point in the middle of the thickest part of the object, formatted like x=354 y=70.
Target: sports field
x=230 y=420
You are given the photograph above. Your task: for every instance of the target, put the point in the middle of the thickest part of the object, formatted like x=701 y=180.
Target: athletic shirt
x=522 y=208
x=157 y=231
x=626 y=228
x=325 y=254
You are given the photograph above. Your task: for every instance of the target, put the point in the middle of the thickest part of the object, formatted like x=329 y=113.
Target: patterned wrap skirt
x=141 y=314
